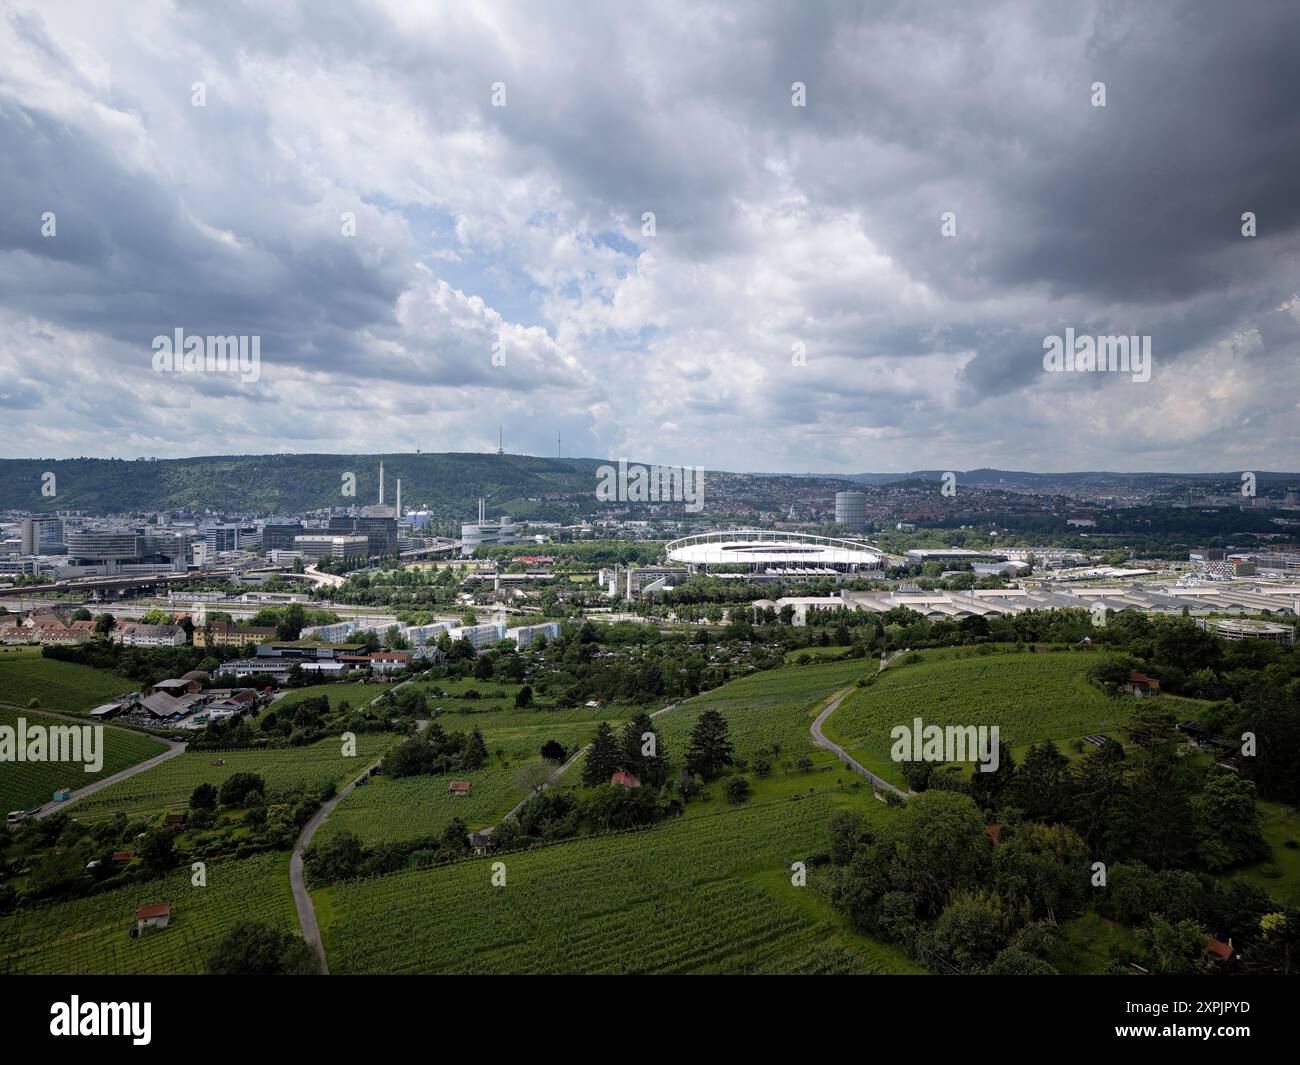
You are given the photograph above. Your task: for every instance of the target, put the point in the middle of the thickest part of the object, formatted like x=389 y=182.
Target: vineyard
x=709 y=894
x=91 y=936
x=1030 y=697
x=168 y=786
x=389 y=811
x=27 y=784
x=775 y=706
x=66 y=686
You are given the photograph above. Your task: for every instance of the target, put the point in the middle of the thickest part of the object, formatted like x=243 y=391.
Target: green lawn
x=66 y=686
x=793 y=658
x=1280 y=824
x=27 y=784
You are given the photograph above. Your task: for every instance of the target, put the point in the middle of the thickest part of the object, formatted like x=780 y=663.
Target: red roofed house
x=459 y=787
x=123 y=856
x=152 y=918
x=994 y=833
x=627 y=780
x=1217 y=952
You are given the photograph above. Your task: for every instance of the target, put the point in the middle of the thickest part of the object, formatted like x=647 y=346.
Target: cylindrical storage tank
x=851 y=510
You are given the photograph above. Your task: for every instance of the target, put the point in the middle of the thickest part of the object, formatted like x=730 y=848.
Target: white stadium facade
x=773 y=551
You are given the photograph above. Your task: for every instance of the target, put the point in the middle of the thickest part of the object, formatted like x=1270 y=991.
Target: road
x=297 y=882
x=820 y=739
x=174 y=747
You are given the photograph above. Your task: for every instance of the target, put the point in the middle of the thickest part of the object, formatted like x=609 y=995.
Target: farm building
x=176 y=687
x=152 y=918
x=1139 y=685
x=175 y=822
x=459 y=787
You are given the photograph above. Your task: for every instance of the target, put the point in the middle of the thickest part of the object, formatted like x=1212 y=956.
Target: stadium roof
x=771 y=547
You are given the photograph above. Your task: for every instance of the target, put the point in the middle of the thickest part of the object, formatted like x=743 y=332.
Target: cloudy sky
x=797 y=306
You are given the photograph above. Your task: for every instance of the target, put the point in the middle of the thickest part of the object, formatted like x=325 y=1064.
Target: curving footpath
x=823 y=742
x=297 y=882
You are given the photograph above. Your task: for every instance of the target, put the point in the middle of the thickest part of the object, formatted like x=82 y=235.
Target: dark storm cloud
x=775 y=224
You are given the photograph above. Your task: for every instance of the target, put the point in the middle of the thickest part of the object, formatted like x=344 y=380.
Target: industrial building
x=851 y=510
x=1246 y=629
x=486 y=533
x=1166 y=599
x=333 y=546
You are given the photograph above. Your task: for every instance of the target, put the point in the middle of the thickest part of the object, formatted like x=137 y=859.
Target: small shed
x=123 y=856
x=626 y=780
x=1140 y=685
x=152 y=918
x=62 y=794
x=459 y=787
x=175 y=822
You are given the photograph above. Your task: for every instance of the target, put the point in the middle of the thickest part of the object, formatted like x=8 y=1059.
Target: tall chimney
x=381 y=484
x=399 y=499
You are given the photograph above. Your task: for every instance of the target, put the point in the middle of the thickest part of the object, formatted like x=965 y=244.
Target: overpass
x=115 y=585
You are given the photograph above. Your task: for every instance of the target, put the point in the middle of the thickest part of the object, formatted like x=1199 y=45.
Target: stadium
x=772 y=551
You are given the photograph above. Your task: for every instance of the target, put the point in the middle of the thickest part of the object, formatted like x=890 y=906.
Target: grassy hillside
x=708 y=895
x=449 y=483
x=67 y=686
x=27 y=784
x=1030 y=697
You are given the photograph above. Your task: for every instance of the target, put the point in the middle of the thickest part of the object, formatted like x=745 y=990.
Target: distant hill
x=450 y=484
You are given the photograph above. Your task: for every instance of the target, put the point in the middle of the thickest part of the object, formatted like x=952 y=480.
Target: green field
x=91 y=936
x=355 y=695
x=67 y=686
x=1280 y=824
x=815 y=653
x=1030 y=697
x=709 y=894
x=520 y=733
x=389 y=811
x=774 y=706
x=168 y=786
x=27 y=784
